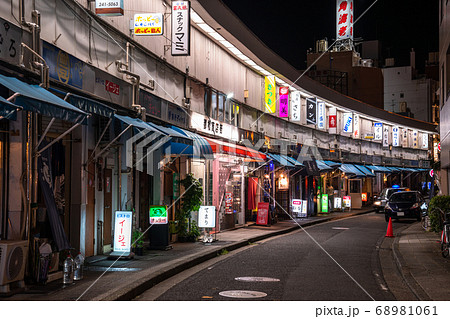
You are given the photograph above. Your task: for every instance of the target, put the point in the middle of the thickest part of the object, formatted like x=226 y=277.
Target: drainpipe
x=135 y=80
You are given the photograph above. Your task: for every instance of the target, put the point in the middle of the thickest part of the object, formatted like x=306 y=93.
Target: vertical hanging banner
x=348 y=123
x=415 y=138
x=424 y=140
x=378 y=131
x=405 y=142
x=395 y=136
x=270 y=95
x=283 y=93
x=295 y=106
x=311 y=112
x=109 y=8
x=344 y=19
x=321 y=115
x=148 y=24
x=332 y=121
x=356 y=130
x=385 y=136
x=181 y=28
x=122 y=231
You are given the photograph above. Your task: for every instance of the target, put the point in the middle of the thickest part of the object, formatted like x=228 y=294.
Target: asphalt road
x=332 y=261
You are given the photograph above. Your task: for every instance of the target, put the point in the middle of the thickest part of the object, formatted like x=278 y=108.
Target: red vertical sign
x=262 y=217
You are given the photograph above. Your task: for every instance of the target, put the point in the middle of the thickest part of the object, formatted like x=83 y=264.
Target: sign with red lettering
x=262 y=217
x=112 y=87
x=122 y=231
x=148 y=24
x=283 y=94
x=344 y=19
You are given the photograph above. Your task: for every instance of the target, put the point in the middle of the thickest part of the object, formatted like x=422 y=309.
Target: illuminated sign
x=356 y=131
x=364 y=197
x=311 y=115
x=283 y=182
x=207 y=217
x=378 y=131
x=295 y=106
x=109 y=7
x=425 y=140
x=324 y=203
x=122 y=231
x=337 y=203
x=262 y=215
x=283 y=93
x=205 y=124
x=304 y=209
x=332 y=120
x=395 y=136
x=297 y=206
x=385 y=136
x=148 y=24
x=344 y=19
x=348 y=123
x=347 y=201
x=158 y=215
x=181 y=28
x=320 y=115
x=270 y=94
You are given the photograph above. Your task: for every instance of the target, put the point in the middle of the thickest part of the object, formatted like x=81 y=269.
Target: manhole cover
x=254 y=279
x=242 y=294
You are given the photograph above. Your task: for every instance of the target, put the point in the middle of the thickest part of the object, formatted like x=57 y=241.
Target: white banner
x=348 y=123
x=321 y=115
x=356 y=126
x=378 y=131
x=405 y=142
x=295 y=106
x=386 y=131
x=344 y=19
x=424 y=140
x=395 y=136
x=181 y=28
x=415 y=138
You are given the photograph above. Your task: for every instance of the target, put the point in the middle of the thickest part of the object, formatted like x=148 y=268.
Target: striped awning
x=218 y=146
x=201 y=147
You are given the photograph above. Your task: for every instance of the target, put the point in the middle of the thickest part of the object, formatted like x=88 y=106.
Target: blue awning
x=179 y=137
x=281 y=159
x=379 y=169
x=36 y=99
x=90 y=106
x=137 y=123
x=8 y=109
x=332 y=164
x=200 y=148
x=322 y=166
x=365 y=170
x=294 y=161
x=351 y=170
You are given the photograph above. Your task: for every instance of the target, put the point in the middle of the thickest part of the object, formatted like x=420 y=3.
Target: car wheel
x=386 y=218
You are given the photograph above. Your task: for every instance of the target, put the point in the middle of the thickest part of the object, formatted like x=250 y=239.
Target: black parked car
x=380 y=201
x=405 y=205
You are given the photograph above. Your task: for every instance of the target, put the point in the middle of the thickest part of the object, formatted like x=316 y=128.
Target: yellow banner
x=270 y=94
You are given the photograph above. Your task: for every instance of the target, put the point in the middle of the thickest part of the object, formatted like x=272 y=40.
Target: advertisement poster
x=228 y=203
x=148 y=24
x=262 y=217
x=347 y=201
x=207 y=217
x=158 y=215
x=324 y=203
x=122 y=231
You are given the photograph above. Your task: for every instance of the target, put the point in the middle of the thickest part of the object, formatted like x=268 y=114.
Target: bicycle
x=445 y=240
x=425 y=221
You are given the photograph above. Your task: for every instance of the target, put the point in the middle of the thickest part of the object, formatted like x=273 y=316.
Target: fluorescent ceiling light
x=266 y=72
x=257 y=67
x=242 y=57
x=206 y=27
x=226 y=44
x=250 y=62
x=235 y=51
x=216 y=36
x=195 y=17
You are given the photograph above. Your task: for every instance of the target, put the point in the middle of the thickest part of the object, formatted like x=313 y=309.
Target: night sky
x=290 y=27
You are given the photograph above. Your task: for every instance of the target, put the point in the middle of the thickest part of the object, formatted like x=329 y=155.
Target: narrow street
x=305 y=268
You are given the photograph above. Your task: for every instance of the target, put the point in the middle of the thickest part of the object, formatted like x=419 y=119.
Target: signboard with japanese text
x=311 y=111
x=296 y=206
x=158 y=215
x=356 y=126
x=262 y=216
x=424 y=140
x=324 y=203
x=207 y=217
x=405 y=141
x=176 y=115
x=148 y=24
x=181 y=28
x=228 y=203
x=344 y=19
x=395 y=136
x=337 y=203
x=348 y=123
x=270 y=95
x=109 y=7
x=11 y=37
x=386 y=131
x=295 y=106
x=304 y=212
x=378 y=131
x=347 y=201
x=283 y=97
x=122 y=231
x=321 y=115
x=332 y=120
x=151 y=103
x=205 y=124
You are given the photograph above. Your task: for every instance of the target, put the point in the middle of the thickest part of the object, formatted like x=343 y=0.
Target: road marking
x=256 y=279
x=247 y=294
x=340 y=228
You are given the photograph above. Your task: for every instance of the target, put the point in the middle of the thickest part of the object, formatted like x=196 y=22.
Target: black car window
x=403 y=197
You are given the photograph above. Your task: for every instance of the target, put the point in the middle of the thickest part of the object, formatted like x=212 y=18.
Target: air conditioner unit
x=13 y=256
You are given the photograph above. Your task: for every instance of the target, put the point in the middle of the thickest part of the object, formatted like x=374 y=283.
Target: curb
x=138 y=287
x=406 y=275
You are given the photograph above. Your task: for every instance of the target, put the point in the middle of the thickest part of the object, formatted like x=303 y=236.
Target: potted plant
x=192 y=199
x=138 y=242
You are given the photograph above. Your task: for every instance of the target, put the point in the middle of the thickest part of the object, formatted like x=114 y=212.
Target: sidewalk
x=420 y=263
x=127 y=279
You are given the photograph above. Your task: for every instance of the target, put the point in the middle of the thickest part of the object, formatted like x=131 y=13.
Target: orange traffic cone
x=389 y=232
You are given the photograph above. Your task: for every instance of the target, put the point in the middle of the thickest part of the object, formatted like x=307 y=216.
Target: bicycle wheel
x=425 y=222
x=445 y=245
